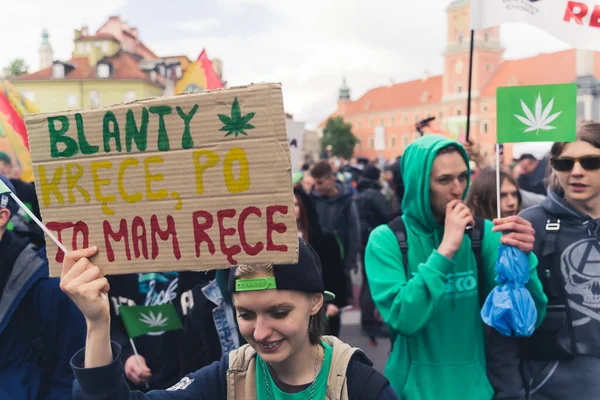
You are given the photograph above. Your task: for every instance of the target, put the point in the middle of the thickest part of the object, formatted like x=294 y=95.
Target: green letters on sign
x=57 y=135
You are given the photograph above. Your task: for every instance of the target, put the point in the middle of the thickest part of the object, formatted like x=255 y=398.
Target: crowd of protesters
x=404 y=227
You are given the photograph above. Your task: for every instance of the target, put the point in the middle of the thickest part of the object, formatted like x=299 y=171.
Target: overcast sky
x=307 y=45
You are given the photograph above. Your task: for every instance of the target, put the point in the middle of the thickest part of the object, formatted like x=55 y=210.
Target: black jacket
x=338 y=217
x=373 y=208
x=575 y=263
x=161 y=350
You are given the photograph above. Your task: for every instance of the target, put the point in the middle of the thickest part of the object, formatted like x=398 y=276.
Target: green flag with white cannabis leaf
x=543 y=113
x=140 y=320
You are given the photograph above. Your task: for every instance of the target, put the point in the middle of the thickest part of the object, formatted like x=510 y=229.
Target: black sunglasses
x=589 y=163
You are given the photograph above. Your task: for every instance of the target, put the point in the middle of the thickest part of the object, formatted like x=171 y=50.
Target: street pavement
x=351 y=332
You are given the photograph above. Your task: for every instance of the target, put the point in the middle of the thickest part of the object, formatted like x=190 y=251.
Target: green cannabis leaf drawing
x=236 y=124
x=541 y=120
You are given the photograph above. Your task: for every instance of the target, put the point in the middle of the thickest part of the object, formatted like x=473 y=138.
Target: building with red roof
x=394 y=111
x=109 y=66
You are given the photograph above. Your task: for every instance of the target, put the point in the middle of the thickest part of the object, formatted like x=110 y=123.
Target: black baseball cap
x=305 y=276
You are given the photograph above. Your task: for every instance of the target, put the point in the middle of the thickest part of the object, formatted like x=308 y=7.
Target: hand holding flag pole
x=5 y=189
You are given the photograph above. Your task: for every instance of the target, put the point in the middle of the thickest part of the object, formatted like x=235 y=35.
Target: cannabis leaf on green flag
x=541 y=120
x=538 y=113
x=236 y=124
x=140 y=320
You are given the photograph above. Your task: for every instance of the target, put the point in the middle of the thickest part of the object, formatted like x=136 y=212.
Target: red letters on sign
x=200 y=229
x=258 y=247
x=229 y=251
x=78 y=227
x=139 y=238
x=120 y=234
x=164 y=235
x=272 y=226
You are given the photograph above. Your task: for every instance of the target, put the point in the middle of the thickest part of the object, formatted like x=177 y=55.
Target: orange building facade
x=384 y=118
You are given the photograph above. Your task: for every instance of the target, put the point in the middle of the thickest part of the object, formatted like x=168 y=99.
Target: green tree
x=15 y=68
x=338 y=134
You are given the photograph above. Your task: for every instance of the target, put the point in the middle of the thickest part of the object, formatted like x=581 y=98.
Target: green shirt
x=278 y=394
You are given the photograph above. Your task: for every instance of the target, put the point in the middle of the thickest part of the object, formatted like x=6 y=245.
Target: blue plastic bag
x=509 y=308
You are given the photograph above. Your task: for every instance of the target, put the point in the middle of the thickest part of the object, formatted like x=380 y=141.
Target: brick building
x=384 y=118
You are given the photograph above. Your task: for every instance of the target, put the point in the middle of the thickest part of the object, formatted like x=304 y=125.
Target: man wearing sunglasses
x=562 y=358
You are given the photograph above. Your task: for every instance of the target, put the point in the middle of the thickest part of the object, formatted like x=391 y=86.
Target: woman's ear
x=317 y=303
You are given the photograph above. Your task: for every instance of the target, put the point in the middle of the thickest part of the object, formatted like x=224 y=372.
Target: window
x=460 y=38
x=370 y=122
x=29 y=96
x=416 y=117
x=405 y=140
x=485 y=127
x=359 y=124
x=161 y=70
x=80 y=48
x=103 y=70
x=371 y=142
x=58 y=71
x=459 y=112
x=393 y=141
x=72 y=100
x=406 y=119
x=153 y=76
x=129 y=96
x=392 y=121
x=459 y=88
x=381 y=121
x=105 y=47
x=486 y=37
x=95 y=98
x=485 y=108
x=178 y=71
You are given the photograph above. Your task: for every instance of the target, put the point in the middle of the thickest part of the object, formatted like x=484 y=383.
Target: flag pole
x=498 y=205
x=137 y=355
x=469 y=86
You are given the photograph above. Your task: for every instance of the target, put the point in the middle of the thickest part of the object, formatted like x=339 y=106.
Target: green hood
x=418 y=158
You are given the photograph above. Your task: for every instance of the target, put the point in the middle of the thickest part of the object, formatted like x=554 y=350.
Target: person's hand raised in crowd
x=332 y=310
x=458 y=217
x=518 y=232
x=84 y=283
x=137 y=370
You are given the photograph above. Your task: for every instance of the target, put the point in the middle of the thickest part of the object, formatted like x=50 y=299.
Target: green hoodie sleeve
x=491 y=241
x=405 y=305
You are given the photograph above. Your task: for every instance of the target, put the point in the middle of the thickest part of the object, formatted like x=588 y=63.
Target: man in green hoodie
x=434 y=315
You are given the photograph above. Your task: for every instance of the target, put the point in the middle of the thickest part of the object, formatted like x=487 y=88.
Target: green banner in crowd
x=544 y=113
x=140 y=320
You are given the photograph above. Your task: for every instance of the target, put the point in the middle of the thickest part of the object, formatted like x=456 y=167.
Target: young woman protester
x=481 y=198
x=280 y=313
x=562 y=358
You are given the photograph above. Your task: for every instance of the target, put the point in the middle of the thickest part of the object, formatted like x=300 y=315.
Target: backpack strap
x=364 y=382
x=397 y=226
x=549 y=274
x=476 y=240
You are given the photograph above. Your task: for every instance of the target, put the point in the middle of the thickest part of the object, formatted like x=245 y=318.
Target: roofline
x=63 y=80
x=92 y=37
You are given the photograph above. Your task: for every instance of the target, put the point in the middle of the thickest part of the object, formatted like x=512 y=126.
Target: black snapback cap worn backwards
x=306 y=276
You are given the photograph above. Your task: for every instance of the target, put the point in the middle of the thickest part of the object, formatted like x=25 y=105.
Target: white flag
x=574 y=22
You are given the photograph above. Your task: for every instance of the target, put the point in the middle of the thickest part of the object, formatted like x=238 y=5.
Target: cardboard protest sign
x=191 y=182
